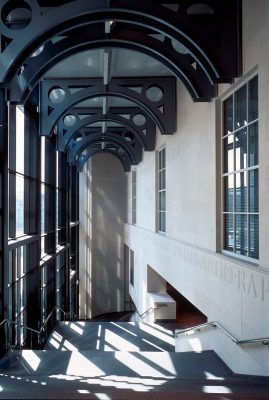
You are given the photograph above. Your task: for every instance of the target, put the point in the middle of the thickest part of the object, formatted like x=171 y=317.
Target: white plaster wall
x=101 y=234
x=246 y=359
x=226 y=289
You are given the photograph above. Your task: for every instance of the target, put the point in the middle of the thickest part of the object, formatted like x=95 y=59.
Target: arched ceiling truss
x=134 y=154
x=214 y=45
x=199 y=42
x=113 y=149
x=182 y=65
x=161 y=108
x=135 y=122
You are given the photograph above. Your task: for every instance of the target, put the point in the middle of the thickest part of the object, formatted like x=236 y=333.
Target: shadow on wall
x=107 y=210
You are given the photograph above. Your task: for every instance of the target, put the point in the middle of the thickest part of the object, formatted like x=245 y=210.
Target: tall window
x=240 y=171
x=133 y=197
x=161 y=190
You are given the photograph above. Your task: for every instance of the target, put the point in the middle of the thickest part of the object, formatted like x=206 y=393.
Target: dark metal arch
x=75 y=152
x=165 y=119
x=146 y=135
x=196 y=81
x=123 y=159
x=211 y=56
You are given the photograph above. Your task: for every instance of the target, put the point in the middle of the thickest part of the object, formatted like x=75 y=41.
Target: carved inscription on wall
x=247 y=280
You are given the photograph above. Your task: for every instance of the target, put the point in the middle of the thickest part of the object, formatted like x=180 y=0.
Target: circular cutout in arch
x=37 y=51
x=179 y=47
x=56 y=95
x=200 y=9
x=139 y=120
x=16 y=15
x=70 y=120
x=78 y=137
x=154 y=93
x=129 y=137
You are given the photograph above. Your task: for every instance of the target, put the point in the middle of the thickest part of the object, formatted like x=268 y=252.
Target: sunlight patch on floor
x=76 y=328
x=209 y=375
x=83 y=391
x=102 y=396
x=165 y=361
x=127 y=383
x=124 y=329
x=81 y=365
x=156 y=333
x=54 y=343
x=118 y=342
x=31 y=358
x=69 y=346
x=141 y=368
x=152 y=344
x=217 y=389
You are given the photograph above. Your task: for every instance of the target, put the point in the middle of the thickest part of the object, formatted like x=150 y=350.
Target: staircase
x=120 y=360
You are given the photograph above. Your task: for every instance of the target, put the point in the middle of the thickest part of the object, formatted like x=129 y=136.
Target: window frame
x=134 y=196
x=231 y=92
x=162 y=190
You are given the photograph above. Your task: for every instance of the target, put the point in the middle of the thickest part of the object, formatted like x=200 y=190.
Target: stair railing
x=214 y=324
x=151 y=309
x=44 y=328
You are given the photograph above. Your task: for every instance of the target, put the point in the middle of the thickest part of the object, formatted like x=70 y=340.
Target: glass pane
x=162 y=221
x=19 y=205
x=164 y=156
x=162 y=201
x=241 y=149
x=19 y=140
x=253 y=99
x=254 y=190
x=160 y=160
x=228 y=232
x=162 y=179
x=254 y=236
x=241 y=192
x=228 y=154
x=240 y=107
x=228 y=193
x=253 y=158
x=42 y=205
x=241 y=236
x=228 y=116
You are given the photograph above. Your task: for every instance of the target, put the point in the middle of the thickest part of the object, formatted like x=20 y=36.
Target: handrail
x=144 y=313
x=152 y=308
x=215 y=324
x=17 y=324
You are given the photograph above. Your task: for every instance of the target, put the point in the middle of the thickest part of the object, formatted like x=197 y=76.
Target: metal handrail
x=32 y=330
x=152 y=308
x=215 y=324
x=144 y=313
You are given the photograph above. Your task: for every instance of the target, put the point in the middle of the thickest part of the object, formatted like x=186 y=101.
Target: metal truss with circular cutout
x=57 y=97
x=211 y=37
x=134 y=152
x=178 y=61
x=131 y=120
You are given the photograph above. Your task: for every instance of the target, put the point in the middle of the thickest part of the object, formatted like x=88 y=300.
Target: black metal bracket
x=212 y=38
x=123 y=116
x=138 y=90
x=181 y=65
x=116 y=151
